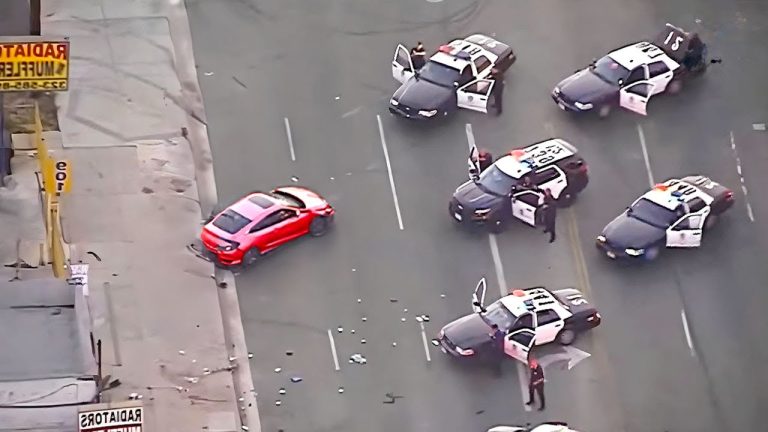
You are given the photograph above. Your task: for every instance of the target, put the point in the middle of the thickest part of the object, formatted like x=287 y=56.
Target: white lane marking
x=333 y=350
x=470 y=136
x=687 y=333
x=503 y=291
x=750 y=214
x=389 y=171
x=290 y=138
x=352 y=112
x=424 y=341
x=645 y=155
x=550 y=128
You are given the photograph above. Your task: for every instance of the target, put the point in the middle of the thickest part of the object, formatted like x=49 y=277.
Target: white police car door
x=402 y=66
x=518 y=344
x=686 y=232
x=478 y=297
x=635 y=96
x=475 y=95
x=552 y=178
x=473 y=162
x=524 y=205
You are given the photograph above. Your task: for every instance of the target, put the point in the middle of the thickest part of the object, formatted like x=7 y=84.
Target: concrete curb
x=206 y=185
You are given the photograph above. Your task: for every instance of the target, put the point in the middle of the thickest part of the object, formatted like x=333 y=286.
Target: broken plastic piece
x=365 y=319
x=278 y=370
x=341 y=389
x=340 y=329
x=296 y=379
x=358 y=358
x=289 y=353
x=435 y=342
x=278 y=402
x=181 y=352
x=363 y=341
x=352 y=331
x=281 y=391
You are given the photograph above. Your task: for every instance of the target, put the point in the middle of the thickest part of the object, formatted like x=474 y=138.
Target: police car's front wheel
x=604 y=110
x=566 y=337
x=651 y=253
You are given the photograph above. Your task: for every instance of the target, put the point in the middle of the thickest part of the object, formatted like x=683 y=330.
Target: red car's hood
x=311 y=199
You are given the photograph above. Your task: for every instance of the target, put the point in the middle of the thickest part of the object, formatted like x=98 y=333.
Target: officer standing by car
x=536 y=383
x=484 y=160
x=497 y=90
x=549 y=214
x=418 y=56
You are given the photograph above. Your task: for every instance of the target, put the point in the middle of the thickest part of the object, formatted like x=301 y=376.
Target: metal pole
x=34 y=17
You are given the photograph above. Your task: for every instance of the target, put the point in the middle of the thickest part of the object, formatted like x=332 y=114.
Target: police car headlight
x=634 y=252
x=582 y=106
x=601 y=238
x=428 y=113
x=465 y=352
x=482 y=212
x=556 y=91
x=394 y=102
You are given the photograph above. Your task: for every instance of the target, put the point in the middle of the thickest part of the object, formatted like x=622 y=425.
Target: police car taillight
x=445 y=49
x=729 y=196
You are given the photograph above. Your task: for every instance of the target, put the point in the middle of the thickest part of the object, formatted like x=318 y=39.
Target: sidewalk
x=135 y=204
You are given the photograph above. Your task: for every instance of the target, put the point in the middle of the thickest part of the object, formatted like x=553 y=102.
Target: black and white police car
x=675 y=213
x=490 y=198
x=542 y=427
x=630 y=76
x=528 y=317
x=454 y=77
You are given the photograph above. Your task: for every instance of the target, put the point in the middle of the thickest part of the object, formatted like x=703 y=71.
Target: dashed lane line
x=389 y=172
x=641 y=133
x=750 y=214
x=290 y=138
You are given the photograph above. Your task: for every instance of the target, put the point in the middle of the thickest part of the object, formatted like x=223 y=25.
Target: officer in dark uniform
x=497 y=336
x=549 y=214
x=484 y=159
x=536 y=383
x=418 y=56
x=497 y=90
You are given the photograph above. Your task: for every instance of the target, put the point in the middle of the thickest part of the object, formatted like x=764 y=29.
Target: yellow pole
x=58 y=248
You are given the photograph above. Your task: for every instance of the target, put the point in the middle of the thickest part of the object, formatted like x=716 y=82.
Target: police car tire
x=496 y=226
x=710 y=222
x=251 y=256
x=604 y=111
x=319 y=226
x=566 y=336
x=675 y=86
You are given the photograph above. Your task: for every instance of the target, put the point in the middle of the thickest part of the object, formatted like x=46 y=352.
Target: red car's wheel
x=251 y=256
x=319 y=225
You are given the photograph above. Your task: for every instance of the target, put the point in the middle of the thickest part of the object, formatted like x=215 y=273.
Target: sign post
x=111 y=417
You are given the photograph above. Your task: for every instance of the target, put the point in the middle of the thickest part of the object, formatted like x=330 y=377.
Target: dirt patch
x=19 y=109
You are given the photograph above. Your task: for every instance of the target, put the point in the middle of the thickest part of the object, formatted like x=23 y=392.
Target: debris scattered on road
x=232 y=358
x=365 y=319
x=278 y=370
x=358 y=300
x=332 y=179
x=241 y=399
x=435 y=342
x=358 y=358
x=206 y=371
x=354 y=270
x=478 y=412
x=245 y=428
x=698 y=20
x=250 y=355
x=239 y=82
x=282 y=390
x=297 y=379
x=208 y=74
x=403 y=319
x=419 y=319
x=337 y=97
x=363 y=341
x=340 y=329
x=425 y=318
x=278 y=402
x=193 y=380
x=135 y=396
x=393 y=300
x=405 y=310
x=294 y=179
x=341 y=389
x=194 y=360
x=95 y=255
x=349 y=173
x=758 y=126
x=394 y=344
x=182 y=352
x=289 y=353
x=442 y=296
x=391 y=398
x=352 y=331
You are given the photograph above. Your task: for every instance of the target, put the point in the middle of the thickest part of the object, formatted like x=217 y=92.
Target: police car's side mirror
x=621 y=81
x=456 y=84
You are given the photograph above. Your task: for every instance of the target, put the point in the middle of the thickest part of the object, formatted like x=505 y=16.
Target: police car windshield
x=652 y=214
x=499 y=315
x=495 y=181
x=609 y=71
x=439 y=74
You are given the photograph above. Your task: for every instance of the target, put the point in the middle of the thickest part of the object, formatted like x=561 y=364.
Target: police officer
x=536 y=383
x=484 y=159
x=418 y=56
x=497 y=336
x=549 y=214
x=497 y=90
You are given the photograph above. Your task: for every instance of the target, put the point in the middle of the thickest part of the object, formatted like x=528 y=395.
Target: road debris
x=403 y=319
x=294 y=179
x=352 y=331
x=282 y=390
x=135 y=396
x=208 y=73
x=232 y=358
x=278 y=370
x=250 y=355
x=193 y=380
x=425 y=318
x=278 y=402
x=296 y=379
x=365 y=319
x=363 y=341
x=391 y=398
x=393 y=300
x=405 y=310
x=358 y=358
x=435 y=342
x=442 y=296
x=394 y=344
x=289 y=353
x=359 y=300
x=341 y=389
x=181 y=352
x=340 y=329
x=758 y=126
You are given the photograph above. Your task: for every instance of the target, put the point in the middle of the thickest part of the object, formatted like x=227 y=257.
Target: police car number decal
x=548 y=152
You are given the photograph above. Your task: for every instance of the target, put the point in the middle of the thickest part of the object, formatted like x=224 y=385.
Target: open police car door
x=478 y=297
x=402 y=66
x=475 y=95
x=473 y=163
x=687 y=231
x=635 y=96
x=519 y=343
x=525 y=204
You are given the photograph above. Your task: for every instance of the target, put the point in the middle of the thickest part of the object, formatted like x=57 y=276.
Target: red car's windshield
x=231 y=221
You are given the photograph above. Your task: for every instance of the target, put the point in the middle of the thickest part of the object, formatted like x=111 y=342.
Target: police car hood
x=472 y=196
x=586 y=87
x=629 y=232
x=468 y=331
x=420 y=94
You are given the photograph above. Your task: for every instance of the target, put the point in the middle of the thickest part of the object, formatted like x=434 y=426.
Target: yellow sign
x=57 y=178
x=34 y=66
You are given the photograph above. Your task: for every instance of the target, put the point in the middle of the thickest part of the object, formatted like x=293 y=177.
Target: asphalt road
x=324 y=66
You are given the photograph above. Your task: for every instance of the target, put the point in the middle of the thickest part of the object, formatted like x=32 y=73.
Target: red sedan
x=260 y=222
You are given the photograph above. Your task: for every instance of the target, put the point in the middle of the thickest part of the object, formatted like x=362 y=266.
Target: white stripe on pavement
x=290 y=138
x=645 y=155
x=389 y=171
x=750 y=214
x=333 y=350
x=687 y=333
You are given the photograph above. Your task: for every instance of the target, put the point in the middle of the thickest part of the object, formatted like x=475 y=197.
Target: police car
x=456 y=76
x=490 y=198
x=542 y=427
x=675 y=213
x=630 y=76
x=528 y=317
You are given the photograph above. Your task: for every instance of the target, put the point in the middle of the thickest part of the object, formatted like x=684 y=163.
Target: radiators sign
x=115 y=417
x=34 y=65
